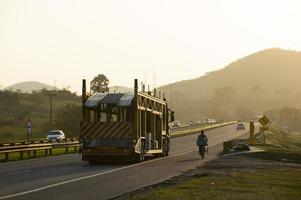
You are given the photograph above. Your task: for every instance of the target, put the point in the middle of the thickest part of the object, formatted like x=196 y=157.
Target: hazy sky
x=63 y=41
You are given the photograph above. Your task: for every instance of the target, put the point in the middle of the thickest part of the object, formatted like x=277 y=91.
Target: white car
x=209 y=121
x=175 y=124
x=56 y=135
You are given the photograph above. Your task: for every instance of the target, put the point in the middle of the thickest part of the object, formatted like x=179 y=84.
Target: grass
x=10 y=134
x=39 y=154
x=238 y=185
x=280 y=145
x=278 y=154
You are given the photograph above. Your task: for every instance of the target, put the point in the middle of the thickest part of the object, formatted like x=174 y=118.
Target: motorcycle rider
x=202 y=141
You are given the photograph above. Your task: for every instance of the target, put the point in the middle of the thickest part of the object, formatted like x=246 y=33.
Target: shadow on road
x=189 y=160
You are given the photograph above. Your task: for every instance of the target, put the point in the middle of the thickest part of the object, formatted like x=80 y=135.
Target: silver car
x=240 y=126
x=56 y=135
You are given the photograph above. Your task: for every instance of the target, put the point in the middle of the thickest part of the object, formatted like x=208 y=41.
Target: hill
x=29 y=86
x=265 y=80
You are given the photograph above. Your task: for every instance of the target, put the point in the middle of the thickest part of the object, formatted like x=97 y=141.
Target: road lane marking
x=110 y=171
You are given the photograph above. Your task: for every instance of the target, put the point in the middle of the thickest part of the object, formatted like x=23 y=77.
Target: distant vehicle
x=240 y=126
x=175 y=124
x=193 y=123
x=209 y=121
x=56 y=135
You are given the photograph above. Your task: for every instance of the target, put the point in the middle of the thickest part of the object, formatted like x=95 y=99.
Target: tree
x=290 y=117
x=68 y=119
x=99 y=84
x=257 y=90
x=243 y=112
x=225 y=92
x=224 y=95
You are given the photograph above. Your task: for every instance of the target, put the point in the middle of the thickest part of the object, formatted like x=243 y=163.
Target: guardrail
x=32 y=147
x=188 y=130
x=38 y=142
x=234 y=144
x=195 y=125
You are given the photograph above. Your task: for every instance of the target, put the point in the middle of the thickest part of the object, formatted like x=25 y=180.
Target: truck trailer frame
x=124 y=126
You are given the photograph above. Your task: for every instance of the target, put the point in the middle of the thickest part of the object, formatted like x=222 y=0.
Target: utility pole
x=50 y=111
x=170 y=87
x=50 y=94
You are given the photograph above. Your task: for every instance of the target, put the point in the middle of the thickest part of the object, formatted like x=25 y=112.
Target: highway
x=67 y=177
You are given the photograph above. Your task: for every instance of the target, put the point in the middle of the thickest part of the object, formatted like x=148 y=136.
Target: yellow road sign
x=264 y=120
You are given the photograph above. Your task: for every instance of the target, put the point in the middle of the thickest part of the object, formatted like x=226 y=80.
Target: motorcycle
x=202 y=150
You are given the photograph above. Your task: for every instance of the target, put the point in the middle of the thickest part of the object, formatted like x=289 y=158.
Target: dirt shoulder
x=230 y=177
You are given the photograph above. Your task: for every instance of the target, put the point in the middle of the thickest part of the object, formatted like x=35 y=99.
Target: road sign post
x=252 y=129
x=264 y=121
x=29 y=129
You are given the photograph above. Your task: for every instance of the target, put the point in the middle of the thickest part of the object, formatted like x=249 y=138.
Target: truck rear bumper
x=105 y=155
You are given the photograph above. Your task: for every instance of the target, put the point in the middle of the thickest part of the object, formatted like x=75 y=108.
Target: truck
x=124 y=126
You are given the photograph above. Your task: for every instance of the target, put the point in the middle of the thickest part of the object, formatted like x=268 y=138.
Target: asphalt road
x=67 y=177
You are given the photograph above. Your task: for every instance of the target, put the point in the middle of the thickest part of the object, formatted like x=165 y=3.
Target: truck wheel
x=140 y=156
x=165 y=147
x=92 y=162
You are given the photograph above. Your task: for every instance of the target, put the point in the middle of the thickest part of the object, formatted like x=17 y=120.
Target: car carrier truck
x=124 y=126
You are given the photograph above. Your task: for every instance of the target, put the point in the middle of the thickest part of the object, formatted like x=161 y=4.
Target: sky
x=60 y=42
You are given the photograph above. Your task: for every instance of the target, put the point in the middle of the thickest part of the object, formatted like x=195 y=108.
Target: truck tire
x=165 y=147
x=92 y=162
x=140 y=156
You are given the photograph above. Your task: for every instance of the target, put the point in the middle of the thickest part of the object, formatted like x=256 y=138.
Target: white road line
x=103 y=173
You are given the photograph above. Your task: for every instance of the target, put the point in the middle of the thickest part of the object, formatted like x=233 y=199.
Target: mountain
x=265 y=80
x=29 y=86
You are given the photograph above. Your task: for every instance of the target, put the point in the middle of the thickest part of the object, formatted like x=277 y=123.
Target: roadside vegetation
x=16 y=108
x=280 y=145
x=239 y=185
